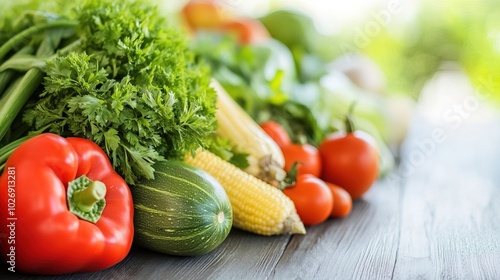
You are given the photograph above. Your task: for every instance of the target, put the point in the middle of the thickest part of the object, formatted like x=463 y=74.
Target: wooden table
x=436 y=217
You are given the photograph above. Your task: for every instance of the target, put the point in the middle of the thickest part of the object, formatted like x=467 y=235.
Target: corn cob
x=264 y=155
x=257 y=206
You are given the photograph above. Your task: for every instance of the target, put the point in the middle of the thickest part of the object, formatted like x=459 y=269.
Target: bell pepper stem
x=86 y=198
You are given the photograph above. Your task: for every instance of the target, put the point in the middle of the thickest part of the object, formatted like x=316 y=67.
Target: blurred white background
x=330 y=16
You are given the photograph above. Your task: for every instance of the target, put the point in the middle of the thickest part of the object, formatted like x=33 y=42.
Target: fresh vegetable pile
x=119 y=128
x=323 y=182
x=276 y=77
x=307 y=96
x=125 y=88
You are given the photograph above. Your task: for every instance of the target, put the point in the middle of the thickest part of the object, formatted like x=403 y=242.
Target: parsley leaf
x=132 y=86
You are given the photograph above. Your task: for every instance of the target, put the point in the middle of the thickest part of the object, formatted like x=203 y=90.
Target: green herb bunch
x=130 y=84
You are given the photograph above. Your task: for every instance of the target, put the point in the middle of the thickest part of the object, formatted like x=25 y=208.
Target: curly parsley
x=131 y=85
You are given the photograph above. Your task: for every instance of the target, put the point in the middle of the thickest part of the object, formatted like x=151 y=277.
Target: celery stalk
x=7 y=75
x=19 y=92
x=5 y=78
x=14 y=100
x=21 y=36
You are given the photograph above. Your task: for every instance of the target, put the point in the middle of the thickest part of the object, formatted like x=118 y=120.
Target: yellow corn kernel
x=257 y=206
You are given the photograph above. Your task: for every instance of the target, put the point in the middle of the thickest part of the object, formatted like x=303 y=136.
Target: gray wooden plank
x=450 y=227
x=360 y=246
x=449 y=217
x=240 y=256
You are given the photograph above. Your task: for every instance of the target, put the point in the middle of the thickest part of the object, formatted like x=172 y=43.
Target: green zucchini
x=182 y=211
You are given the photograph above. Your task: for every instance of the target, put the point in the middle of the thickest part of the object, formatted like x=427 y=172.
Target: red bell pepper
x=63 y=208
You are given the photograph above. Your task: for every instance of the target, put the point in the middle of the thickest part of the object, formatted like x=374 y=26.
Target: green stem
x=8 y=149
x=21 y=36
x=6 y=76
x=20 y=92
x=291 y=177
x=349 y=124
x=67 y=49
x=15 y=99
x=86 y=198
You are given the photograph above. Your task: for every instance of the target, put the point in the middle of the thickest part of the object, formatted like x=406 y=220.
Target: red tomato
x=248 y=30
x=312 y=198
x=342 y=201
x=306 y=156
x=276 y=132
x=350 y=161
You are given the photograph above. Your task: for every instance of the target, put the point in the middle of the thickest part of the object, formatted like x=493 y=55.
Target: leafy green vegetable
x=261 y=78
x=21 y=88
x=131 y=85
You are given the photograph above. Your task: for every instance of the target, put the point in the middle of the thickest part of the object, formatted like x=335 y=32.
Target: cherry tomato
x=306 y=156
x=277 y=133
x=312 y=198
x=342 y=201
x=350 y=161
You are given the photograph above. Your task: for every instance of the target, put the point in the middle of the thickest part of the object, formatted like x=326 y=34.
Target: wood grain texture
x=359 y=246
x=241 y=255
x=450 y=228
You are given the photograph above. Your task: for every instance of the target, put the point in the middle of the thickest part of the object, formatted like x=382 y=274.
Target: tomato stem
x=291 y=177
x=349 y=124
x=86 y=198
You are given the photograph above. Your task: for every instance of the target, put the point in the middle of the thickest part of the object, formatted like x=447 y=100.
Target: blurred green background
x=409 y=40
